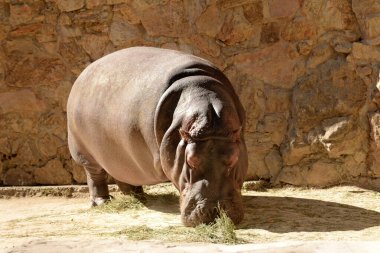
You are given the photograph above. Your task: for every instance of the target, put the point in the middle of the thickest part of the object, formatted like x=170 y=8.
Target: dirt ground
x=285 y=217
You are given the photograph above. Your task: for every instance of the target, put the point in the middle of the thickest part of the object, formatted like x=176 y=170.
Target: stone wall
x=305 y=70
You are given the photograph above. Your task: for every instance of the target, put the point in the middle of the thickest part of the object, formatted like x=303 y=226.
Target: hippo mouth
x=205 y=211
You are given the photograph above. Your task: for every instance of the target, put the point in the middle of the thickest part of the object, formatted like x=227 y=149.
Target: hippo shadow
x=286 y=214
x=164 y=202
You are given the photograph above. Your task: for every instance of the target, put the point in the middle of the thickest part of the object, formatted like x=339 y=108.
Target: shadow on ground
x=286 y=214
x=164 y=203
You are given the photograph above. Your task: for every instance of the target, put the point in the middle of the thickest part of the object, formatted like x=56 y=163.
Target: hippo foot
x=97 y=201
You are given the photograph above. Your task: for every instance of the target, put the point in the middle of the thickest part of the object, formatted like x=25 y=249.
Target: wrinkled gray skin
x=146 y=116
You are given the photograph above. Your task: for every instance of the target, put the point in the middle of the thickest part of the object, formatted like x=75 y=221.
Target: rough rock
x=291 y=175
x=26 y=30
x=75 y=56
x=79 y=174
x=274 y=65
x=253 y=11
x=365 y=7
x=122 y=33
x=273 y=161
x=211 y=21
x=282 y=8
x=24 y=155
x=20 y=101
x=4 y=29
x=275 y=125
x=5 y=147
x=90 y=4
x=304 y=47
x=70 y=5
x=129 y=14
x=344 y=48
x=277 y=99
x=20 y=14
x=333 y=90
x=1 y=172
x=307 y=73
x=323 y=174
x=372 y=23
x=206 y=45
x=260 y=144
x=355 y=166
x=16 y=123
x=270 y=33
x=95 y=45
x=172 y=21
x=52 y=173
x=374 y=161
x=365 y=52
x=319 y=54
x=366 y=12
x=18 y=177
x=49 y=144
x=338 y=15
x=236 y=28
x=47 y=33
x=111 y=2
x=295 y=150
x=49 y=70
x=300 y=29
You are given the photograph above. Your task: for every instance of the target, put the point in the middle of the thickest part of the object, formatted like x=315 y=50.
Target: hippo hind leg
x=96 y=175
x=128 y=189
x=97 y=185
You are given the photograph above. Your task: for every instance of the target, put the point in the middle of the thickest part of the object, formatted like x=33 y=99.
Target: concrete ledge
x=118 y=245
x=52 y=191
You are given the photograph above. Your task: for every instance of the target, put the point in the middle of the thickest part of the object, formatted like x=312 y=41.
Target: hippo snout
x=205 y=211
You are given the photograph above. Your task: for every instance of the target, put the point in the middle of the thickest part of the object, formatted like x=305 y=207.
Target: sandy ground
x=291 y=219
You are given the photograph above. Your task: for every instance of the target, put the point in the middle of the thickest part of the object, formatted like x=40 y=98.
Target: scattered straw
x=222 y=231
x=120 y=203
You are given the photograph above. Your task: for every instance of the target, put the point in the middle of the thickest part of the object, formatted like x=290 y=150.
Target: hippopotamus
x=147 y=115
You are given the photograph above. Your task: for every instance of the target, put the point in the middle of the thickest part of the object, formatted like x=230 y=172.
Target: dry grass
x=222 y=231
x=120 y=204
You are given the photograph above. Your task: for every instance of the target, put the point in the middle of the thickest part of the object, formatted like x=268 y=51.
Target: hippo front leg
x=97 y=185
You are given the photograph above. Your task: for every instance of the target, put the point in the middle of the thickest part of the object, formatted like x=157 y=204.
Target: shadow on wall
x=285 y=214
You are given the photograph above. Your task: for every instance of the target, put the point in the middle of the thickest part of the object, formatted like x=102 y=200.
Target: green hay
x=222 y=231
x=121 y=203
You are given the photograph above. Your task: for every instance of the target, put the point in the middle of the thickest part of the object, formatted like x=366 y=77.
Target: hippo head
x=214 y=164
x=202 y=150
x=211 y=177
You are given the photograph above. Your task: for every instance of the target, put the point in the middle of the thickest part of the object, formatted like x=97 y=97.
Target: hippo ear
x=184 y=135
